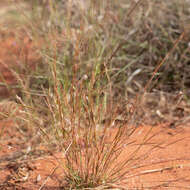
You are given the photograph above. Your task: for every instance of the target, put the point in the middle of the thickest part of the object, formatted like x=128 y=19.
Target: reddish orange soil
x=16 y=51
x=166 y=167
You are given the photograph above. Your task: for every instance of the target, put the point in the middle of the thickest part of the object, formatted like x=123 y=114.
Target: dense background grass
x=144 y=35
x=114 y=46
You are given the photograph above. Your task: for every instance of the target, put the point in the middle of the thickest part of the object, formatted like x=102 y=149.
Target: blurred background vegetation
x=114 y=46
x=145 y=36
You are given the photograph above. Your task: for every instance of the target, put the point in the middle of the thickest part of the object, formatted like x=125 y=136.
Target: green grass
x=88 y=35
x=94 y=57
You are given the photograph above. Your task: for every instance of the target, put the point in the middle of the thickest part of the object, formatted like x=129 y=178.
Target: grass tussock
x=94 y=55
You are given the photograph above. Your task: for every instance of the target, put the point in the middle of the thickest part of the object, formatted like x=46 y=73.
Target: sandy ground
x=165 y=167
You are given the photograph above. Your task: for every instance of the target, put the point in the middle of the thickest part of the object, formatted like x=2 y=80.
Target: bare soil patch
x=168 y=166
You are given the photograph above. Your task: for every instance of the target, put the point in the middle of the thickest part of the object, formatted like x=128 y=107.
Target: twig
x=160 y=170
x=163 y=60
x=45 y=181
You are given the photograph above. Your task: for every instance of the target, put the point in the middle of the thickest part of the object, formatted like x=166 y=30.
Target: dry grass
x=94 y=54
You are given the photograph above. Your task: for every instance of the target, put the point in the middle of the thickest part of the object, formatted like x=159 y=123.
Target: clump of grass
x=78 y=108
x=90 y=58
x=91 y=154
x=81 y=113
